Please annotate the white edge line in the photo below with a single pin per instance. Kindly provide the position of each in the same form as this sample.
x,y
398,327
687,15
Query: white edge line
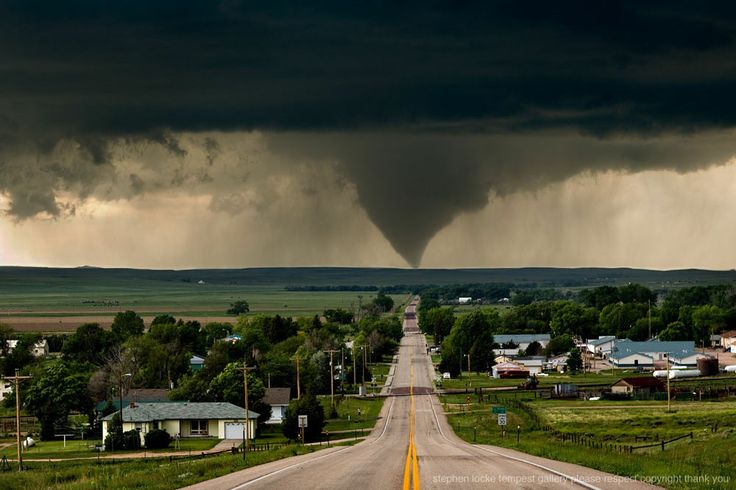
x,y
249,482
254,480
558,473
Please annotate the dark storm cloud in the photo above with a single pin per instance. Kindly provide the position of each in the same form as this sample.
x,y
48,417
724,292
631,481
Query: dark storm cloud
x,y
90,72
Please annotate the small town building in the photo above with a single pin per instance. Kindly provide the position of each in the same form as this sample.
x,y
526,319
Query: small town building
x,y
196,363
6,388
509,370
187,419
278,399
632,354
533,364
511,344
602,346
39,349
728,340
633,386
464,300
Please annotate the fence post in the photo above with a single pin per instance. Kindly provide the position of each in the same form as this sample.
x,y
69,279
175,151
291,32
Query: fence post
x,y
662,445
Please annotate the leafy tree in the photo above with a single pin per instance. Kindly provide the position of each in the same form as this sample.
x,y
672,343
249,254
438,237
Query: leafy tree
x,y
471,333
215,331
707,320
617,319
228,386
127,324
437,322
574,361
163,320
6,333
238,308
600,297
533,349
274,328
383,302
676,331
22,355
53,392
115,439
132,440
311,407
573,319
559,345
343,317
89,343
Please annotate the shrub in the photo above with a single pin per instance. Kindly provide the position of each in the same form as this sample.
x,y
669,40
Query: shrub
x,y
157,439
132,439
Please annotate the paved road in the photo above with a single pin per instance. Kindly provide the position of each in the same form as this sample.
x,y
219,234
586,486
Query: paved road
x,y
412,446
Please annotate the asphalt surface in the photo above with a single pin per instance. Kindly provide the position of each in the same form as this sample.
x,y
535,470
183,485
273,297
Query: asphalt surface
x,y
412,446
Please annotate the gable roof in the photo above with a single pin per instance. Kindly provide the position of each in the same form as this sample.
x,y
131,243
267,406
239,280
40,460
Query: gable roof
x,y
676,348
643,382
601,340
729,334
149,412
521,338
277,396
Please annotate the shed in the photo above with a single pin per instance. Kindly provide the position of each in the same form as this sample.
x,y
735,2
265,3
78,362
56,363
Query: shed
x,y
637,385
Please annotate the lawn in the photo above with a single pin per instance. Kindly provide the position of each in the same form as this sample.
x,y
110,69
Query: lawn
x,y
155,474
353,413
600,428
81,449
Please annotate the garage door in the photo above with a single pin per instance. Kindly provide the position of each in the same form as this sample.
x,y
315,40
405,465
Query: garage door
x,y
234,430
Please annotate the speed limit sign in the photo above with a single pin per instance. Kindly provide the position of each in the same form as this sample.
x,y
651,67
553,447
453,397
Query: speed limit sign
x,y
501,419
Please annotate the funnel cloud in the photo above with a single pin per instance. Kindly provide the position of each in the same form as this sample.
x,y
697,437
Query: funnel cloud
x,y
347,122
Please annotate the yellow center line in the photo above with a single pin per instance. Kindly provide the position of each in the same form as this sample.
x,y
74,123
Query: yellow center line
x,y
411,467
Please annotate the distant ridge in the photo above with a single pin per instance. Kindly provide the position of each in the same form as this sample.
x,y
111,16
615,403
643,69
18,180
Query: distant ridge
x,y
14,276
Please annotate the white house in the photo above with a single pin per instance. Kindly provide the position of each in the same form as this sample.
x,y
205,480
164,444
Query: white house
x,y
6,388
533,364
728,340
188,419
40,348
278,398
602,346
464,300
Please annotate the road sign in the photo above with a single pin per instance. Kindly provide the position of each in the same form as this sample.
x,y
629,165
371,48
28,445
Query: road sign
x,y
498,410
501,419
303,421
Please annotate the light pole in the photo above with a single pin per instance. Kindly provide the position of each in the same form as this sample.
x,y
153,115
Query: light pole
x,y
470,381
122,376
246,431
332,379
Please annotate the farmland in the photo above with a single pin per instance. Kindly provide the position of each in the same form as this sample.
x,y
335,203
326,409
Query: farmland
x,y
599,434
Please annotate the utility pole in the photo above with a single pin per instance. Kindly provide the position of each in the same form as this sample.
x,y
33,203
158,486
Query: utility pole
x,y
332,378
470,379
246,433
17,379
298,378
668,382
355,374
649,314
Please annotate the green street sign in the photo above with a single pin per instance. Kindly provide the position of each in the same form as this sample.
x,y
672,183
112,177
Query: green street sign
x,y
498,410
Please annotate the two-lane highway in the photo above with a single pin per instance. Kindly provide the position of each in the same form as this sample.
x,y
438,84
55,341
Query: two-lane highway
x,y
412,446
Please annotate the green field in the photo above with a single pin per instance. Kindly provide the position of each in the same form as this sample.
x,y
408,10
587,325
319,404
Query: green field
x,y
159,474
596,434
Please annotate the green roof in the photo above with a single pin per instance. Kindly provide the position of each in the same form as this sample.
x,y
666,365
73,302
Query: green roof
x,y
149,412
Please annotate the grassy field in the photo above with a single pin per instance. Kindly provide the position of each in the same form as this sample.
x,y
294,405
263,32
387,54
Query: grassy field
x,y
593,433
54,309
353,413
81,449
482,380
149,474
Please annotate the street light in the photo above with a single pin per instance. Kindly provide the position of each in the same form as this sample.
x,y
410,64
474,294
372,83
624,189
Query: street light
x,y
126,375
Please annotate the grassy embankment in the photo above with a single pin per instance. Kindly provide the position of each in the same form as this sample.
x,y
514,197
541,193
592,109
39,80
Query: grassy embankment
x,y
595,434
158,474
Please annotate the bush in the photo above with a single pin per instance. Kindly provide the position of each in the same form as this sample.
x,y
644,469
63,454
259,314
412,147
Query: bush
x,y
157,439
132,439
311,407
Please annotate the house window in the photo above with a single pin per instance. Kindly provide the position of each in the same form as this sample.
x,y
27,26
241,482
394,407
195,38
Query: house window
x,y
200,428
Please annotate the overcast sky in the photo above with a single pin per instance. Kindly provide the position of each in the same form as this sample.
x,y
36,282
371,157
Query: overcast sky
x,y
175,134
